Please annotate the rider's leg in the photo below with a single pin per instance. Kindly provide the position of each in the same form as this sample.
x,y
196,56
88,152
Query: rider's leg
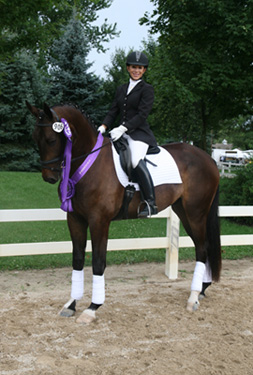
x,y
138,150
141,172
147,189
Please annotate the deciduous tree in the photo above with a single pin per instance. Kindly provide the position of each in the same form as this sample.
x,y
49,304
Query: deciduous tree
x,y
35,24
205,60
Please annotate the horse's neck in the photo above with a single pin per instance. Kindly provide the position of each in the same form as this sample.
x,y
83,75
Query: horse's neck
x,y
84,135
84,138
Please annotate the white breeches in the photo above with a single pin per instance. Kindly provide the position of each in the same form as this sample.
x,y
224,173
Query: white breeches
x,y
138,150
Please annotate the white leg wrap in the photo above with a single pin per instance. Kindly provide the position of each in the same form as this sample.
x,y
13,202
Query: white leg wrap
x,y
98,290
77,287
194,296
207,278
198,276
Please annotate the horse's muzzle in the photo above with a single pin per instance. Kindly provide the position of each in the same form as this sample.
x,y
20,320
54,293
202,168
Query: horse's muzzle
x,y
50,177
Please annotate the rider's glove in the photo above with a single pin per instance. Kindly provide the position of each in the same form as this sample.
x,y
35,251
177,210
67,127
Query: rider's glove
x,y
116,133
102,129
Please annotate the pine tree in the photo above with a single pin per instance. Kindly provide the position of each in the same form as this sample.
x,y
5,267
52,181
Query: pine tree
x,y
20,81
70,80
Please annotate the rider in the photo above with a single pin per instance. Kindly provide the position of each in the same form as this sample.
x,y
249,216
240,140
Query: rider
x,y
133,101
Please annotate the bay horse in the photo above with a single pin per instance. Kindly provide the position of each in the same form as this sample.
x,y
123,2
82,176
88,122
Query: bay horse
x,y
98,197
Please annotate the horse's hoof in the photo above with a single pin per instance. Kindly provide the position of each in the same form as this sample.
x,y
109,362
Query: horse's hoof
x,y
67,313
192,306
87,317
68,309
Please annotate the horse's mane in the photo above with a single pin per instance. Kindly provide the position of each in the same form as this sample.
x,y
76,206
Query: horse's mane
x,y
84,114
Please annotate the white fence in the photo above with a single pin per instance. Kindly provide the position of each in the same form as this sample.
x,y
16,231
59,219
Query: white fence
x,y
172,242
227,169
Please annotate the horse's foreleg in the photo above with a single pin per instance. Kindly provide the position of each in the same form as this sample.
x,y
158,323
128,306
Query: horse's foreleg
x,y
78,231
77,290
99,237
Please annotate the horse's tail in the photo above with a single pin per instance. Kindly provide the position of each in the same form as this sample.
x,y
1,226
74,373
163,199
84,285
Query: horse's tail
x,y
213,238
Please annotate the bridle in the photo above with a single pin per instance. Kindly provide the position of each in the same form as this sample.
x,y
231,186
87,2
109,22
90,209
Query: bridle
x,y
45,164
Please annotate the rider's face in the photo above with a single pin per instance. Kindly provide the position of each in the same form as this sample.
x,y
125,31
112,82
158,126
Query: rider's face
x,y
136,71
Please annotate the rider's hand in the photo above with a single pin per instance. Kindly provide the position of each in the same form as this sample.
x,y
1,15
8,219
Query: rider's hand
x,y
102,129
116,133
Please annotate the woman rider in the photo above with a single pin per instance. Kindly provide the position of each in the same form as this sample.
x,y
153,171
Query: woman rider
x,y
133,102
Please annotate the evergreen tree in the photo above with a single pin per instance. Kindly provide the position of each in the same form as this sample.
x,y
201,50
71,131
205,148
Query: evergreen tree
x,y
116,74
20,81
70,80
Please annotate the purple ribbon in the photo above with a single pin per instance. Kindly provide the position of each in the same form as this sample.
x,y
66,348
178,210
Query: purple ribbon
x,y
67,187
66,163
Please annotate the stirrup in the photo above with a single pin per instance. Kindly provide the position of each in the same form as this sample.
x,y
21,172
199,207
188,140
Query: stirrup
x,y
147,211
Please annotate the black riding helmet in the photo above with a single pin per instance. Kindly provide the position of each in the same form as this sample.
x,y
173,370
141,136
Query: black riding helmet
x,y
137,58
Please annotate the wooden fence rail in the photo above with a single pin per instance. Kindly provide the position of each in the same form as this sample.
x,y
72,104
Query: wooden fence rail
x,y
228,169
172,242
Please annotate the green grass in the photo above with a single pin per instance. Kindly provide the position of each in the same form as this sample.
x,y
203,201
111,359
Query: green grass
x,y
19,190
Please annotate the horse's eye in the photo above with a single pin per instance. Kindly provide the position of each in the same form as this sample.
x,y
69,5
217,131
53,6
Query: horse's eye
x,y
51,142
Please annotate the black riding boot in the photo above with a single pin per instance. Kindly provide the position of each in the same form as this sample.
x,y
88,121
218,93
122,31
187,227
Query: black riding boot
x,y
147,189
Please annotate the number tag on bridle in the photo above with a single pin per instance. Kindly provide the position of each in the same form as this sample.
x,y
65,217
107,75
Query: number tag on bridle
x,y
58,127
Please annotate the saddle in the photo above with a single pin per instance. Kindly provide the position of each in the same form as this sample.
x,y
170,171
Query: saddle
x,y
122,148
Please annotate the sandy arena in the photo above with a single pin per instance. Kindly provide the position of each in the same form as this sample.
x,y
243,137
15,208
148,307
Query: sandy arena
x,y
143,328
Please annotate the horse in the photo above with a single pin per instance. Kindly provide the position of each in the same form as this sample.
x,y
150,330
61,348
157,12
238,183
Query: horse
x,y
98,195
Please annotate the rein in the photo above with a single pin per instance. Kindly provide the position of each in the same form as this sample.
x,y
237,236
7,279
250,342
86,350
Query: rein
x,y
67,185
89,153
60,158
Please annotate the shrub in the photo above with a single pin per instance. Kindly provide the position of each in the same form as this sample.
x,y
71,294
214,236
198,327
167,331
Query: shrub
x,y
238,191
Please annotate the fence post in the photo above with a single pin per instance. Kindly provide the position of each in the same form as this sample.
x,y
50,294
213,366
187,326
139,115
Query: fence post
x,y
222,170
171,261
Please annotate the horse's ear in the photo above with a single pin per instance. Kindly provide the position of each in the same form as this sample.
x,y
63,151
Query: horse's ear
x,y
34,111
47,111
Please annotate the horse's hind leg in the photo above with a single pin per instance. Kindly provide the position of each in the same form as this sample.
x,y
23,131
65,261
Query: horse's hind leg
x,y
202,276
196,229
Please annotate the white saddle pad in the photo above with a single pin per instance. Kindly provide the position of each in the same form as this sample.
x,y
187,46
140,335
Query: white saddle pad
x,y
166,171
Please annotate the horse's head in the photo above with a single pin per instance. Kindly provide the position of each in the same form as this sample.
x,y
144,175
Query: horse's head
x,y
50,142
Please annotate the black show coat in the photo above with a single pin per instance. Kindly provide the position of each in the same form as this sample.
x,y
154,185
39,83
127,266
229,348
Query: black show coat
x,y
133,109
